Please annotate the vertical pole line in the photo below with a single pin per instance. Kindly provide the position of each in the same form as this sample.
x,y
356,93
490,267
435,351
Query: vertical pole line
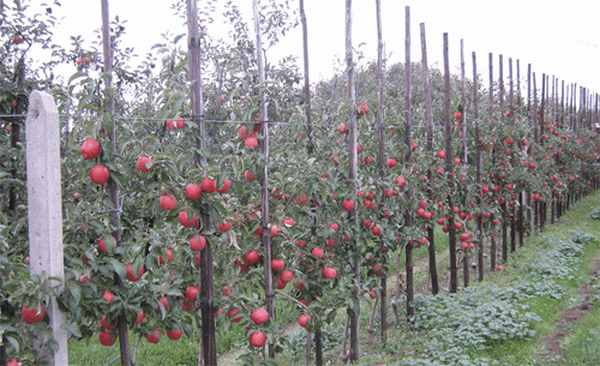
x,y
351,100
266,232
502,119
449,169
536,206
115,215
512,214
478,141
429,146
530,120
307,99
208,341
491,88
408,140
382,171
463,103
491,116
519,99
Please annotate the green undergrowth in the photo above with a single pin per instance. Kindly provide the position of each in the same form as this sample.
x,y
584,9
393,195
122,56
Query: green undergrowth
x,y
487,324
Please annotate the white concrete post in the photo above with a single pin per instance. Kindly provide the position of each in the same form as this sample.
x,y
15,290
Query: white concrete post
x,y
44,204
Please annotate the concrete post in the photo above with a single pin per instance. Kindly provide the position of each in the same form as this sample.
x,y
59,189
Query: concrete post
x,y
44,203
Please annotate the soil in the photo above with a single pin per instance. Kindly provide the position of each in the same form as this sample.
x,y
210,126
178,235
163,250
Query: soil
x,y
569,318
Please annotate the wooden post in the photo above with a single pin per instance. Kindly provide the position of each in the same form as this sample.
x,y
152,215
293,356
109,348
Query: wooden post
x,y
408,140
382,170
266,232
463,103
478,200
44,203
429,146
449,168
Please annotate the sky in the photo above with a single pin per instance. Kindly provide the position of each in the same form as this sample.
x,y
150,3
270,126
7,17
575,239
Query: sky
x,y
556,37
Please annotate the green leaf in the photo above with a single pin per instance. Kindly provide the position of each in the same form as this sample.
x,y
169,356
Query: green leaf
x,y
73,329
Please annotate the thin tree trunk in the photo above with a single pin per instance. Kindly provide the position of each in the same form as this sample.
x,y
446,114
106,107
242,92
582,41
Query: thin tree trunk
x,y
115,215
479,217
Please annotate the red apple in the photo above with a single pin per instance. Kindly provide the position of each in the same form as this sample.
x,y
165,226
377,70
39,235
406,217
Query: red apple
x,y
329,272
303,320
102,244
226,186
106,338
348,205
144,164
139,318
208,185
191,293
363,109
108,296
90,149
259,316
174,334
277,265
130,275
193,191
249,176
32,316
185,221
99,174
317,252
391,163
198,242
251,257
154,337
104,322
161,260
167,202
441,154
258,338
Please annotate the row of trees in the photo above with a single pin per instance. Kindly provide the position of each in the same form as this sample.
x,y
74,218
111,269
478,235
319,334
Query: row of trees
x,y
389,153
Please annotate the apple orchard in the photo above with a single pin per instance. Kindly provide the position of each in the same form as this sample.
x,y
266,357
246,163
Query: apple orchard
x,y
245,198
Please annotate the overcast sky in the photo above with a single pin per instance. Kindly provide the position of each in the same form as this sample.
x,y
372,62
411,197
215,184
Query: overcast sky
x,y
557,37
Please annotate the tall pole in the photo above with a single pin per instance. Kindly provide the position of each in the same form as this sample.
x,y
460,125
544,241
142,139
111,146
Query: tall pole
x,y
351,97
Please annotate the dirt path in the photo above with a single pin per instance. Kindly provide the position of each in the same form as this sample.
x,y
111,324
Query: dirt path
x,y
568,319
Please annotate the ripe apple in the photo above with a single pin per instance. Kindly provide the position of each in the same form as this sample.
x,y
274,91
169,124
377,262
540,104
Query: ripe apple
x,y
258,338
106,338
17,39
376,230
102,244
251,257
317,252
224,227
259,316
329,272
441,154
198,242
90,148
303,200
249,176
180,122
251,142
191,293
208,185
287,276
231,314
226,186
99,174
170,124
277,265
167,202
457,115
32,316
363,109
193,191
104,322
139,318
174,334
185,221
130,275
154,337
348,205
303,320
391,163
163,300
108,296
161,260
145,164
